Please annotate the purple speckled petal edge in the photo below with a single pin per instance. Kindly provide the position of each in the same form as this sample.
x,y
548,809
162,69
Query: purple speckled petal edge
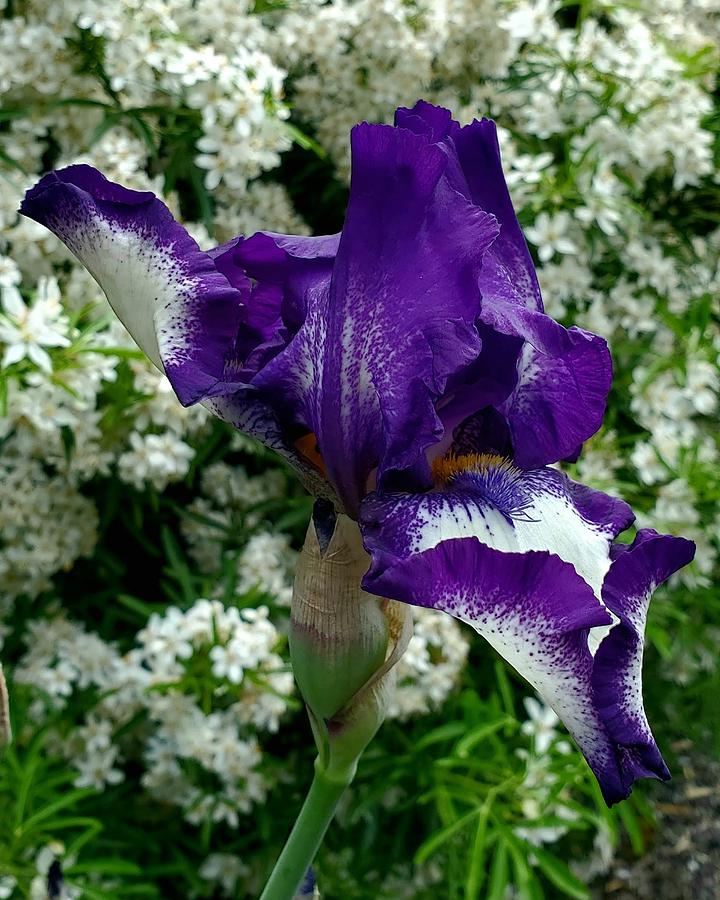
x,y
180,310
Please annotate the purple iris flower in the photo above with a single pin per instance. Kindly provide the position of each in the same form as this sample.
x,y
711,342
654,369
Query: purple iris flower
x,y
406,369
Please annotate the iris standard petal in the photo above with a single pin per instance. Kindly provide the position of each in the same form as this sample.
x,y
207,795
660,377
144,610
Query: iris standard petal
x,y
180,310
508,272
549,383
563,380
534,610
635,573
375,352
402,304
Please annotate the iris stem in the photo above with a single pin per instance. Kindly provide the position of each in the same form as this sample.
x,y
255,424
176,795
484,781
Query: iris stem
x,y
307,834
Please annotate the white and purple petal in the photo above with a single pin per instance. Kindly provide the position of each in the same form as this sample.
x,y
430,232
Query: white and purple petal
x,y
535,611
181,311
506,508
527,558
635,573
195,314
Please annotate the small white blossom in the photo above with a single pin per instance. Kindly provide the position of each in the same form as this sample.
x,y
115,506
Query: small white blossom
x,y
27,330
549,234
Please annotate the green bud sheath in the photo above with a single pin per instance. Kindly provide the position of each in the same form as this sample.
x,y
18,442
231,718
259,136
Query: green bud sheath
x,y
343,641
344,644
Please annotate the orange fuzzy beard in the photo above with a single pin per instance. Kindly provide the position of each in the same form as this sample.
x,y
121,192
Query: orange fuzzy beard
x,y
448,467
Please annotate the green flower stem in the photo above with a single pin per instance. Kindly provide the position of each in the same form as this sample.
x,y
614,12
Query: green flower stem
x,y
309,829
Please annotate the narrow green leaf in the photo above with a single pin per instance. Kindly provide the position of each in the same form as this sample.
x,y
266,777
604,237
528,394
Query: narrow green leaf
x,y
305,141
478,735
144,610
438,735
499,873
476,868
435,841
63,802
178,568
632,827
559,874
112,866
505,688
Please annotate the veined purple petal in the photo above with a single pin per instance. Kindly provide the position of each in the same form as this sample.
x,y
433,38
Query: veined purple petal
x,y
287,273
425,118
284,267
179,309
375,351
635,573
563,379
550,384
509,272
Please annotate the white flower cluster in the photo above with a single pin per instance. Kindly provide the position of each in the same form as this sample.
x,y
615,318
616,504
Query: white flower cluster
x,y
209,60
45,526
431,665
210,681
207,66
224,870
61,428
227,506
359,59
267,563
538,790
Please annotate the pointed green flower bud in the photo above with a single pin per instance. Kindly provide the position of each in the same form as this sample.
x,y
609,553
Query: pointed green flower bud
x,y
344,642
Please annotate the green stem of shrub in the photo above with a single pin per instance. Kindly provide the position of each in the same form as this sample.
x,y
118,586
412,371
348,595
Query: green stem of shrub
x,y
307,834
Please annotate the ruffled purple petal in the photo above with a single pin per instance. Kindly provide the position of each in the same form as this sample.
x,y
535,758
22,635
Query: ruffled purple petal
x,y
425,118
563,379
376,351
285,268
550,384
635,573
197,315
286,272
508,272
180,310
